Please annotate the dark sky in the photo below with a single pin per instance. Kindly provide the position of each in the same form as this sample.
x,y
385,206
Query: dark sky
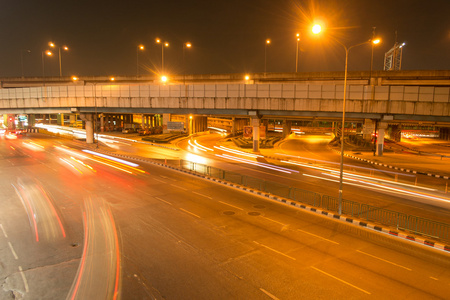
x,y
227,36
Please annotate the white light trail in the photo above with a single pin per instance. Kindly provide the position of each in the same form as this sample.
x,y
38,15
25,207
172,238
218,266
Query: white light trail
x,y
259,164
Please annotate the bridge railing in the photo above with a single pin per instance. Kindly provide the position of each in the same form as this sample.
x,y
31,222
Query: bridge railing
x,y
362,211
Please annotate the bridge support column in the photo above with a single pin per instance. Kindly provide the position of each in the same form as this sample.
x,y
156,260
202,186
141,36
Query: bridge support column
x,y
368,129
166,118
380,138
444,134
102,122
255,125
31,120
396,132
89,123
60,119
287,124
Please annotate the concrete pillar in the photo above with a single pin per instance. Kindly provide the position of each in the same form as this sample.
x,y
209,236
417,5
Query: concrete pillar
x,y
102,123
31,120
72,119
286,128
368,129
255,125
396,132
60,119
166,118
380,138
89,125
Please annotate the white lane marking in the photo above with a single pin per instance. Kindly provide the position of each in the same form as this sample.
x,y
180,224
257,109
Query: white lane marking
x,y
190,213
179,187
4,232
274,221
162,181
12,250
24,279
163,200
318,236
231,205
276,251
202,195
341,280
387,261
269,294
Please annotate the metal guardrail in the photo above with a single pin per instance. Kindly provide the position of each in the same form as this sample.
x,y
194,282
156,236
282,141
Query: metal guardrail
x,y
362,211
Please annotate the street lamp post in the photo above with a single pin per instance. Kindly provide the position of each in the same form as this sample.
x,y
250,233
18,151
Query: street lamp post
x,y
21,59
65,48
267,43
139,48
48,53
316,30
185,45
165,44
296,53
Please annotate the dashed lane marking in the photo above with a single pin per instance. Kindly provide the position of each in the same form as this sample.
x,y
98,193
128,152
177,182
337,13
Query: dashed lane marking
x,y
197,216
268,294
276,251
202,195
25,283
12,250
343,281
274,221
387,261
318,236
163,200
4,232
179,187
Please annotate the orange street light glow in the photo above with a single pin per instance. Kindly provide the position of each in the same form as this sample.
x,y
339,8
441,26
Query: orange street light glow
x,y
316,29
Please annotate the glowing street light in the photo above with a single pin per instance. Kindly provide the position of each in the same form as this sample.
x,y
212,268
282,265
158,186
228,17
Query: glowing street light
x,y
267,43
165,44
65,48
316,29
139,48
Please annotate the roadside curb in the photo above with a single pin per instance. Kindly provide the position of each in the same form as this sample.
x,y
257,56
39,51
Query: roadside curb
x,y
377,228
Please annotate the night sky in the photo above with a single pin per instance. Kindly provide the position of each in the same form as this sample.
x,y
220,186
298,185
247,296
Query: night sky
x,y
227,36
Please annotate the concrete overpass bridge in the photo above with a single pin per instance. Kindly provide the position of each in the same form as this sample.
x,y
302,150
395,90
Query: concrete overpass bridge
x,y
376,100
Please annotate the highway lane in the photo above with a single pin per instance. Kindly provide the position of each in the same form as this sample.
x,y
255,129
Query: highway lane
x,y
181,237
379,192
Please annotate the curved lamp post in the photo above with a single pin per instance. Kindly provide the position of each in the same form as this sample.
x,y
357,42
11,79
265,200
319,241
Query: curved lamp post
x,y
267,43
316,30
139,48
165,44
65,48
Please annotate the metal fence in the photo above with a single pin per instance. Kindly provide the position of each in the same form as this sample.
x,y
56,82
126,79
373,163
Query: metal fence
x,y
362,211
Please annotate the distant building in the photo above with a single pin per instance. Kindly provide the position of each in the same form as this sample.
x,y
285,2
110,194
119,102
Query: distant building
x,y
393,58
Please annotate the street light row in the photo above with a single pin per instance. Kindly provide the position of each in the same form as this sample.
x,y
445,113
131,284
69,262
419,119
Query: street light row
x,y
163,45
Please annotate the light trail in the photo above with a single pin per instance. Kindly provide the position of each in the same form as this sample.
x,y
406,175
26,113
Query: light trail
x,y
222,148
111,158
259,164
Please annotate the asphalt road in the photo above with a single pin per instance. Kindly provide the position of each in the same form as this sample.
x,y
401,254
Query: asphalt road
x,y
78,226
